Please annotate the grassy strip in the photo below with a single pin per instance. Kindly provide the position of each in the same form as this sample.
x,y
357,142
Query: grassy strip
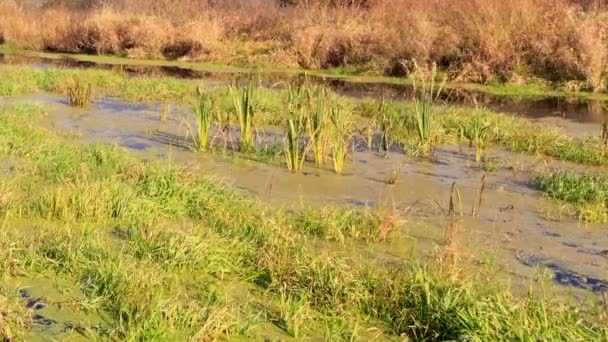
x,y
588,193
538,89
155,247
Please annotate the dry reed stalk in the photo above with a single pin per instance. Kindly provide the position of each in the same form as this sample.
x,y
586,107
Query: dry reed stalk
x,y
451,230
478,197
482,39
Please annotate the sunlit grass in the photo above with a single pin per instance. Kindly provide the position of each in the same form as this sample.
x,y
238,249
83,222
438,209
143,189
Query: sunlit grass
x,y
244,106
587,192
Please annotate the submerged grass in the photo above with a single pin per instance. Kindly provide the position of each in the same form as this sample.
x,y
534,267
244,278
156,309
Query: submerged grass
x,y
166,254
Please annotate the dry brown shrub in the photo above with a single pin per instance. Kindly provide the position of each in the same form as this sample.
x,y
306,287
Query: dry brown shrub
x,y
473,40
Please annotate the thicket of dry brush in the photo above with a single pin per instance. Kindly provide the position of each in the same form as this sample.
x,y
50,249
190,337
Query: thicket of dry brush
x,y
472,40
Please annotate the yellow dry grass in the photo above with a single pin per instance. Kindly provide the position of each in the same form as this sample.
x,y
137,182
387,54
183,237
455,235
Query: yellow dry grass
x,y
472,40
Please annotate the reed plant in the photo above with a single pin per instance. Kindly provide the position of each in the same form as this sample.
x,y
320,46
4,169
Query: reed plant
x,y
165,110
295,154
477,132
478,197
386,123
426,93
318,121
451,230
393,176
79,93
339,139
244,102
204,114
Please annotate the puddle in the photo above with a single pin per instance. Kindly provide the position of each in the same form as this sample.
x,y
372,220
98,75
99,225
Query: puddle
x,y
554,109
54,310
511,223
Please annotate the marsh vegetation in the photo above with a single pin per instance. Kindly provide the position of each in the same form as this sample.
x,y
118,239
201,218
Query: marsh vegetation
x,y
121,247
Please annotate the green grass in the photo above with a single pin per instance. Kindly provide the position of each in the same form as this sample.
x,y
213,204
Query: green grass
x,y
163,253
588,193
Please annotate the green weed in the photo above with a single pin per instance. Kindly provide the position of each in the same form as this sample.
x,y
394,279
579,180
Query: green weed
x,y
477,132
80,93
204,113
295,155
426,95
244,106
589,193
318,121
339,139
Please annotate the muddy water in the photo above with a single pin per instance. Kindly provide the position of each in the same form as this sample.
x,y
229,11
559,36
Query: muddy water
x,y
55,314
511,233
552,108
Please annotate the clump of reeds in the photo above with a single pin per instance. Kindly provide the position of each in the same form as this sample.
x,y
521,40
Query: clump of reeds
x,y
339,139
204,112
393,176
386,122
451,230
80,93
477,132
604,133
295,154
478,197
317,121
243,100
426,93
165,109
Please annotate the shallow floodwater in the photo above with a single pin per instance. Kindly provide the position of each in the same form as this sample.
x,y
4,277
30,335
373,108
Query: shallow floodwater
x,y
553,108
511,233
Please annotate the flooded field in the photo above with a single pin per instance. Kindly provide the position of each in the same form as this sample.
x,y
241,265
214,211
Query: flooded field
x,y
507,231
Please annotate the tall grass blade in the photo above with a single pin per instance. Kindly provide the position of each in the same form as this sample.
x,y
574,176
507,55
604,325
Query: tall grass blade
x,y
204,112
244,100
340,139
295,154
478,197
425,96
317,122
80,93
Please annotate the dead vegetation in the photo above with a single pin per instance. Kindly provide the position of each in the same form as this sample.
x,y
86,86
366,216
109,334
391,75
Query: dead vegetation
x,y
471,40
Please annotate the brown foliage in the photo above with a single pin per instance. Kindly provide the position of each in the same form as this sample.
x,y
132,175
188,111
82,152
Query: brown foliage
x,y
473,40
